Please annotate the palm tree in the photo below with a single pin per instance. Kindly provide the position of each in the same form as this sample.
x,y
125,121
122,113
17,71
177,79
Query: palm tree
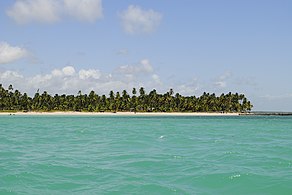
x,y
152,102
125,104
134,91
134,100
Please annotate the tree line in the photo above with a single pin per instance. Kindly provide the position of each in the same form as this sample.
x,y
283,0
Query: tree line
x,y
138,101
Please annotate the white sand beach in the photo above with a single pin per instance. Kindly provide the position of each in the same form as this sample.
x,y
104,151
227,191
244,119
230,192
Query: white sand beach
x,y
123,113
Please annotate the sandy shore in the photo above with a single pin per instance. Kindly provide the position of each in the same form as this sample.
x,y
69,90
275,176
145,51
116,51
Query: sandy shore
x,y
122,113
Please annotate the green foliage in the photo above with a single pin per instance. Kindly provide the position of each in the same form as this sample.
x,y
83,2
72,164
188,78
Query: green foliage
x,y
13,100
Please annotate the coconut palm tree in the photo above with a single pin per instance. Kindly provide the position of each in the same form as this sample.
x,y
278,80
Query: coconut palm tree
x,y
152,102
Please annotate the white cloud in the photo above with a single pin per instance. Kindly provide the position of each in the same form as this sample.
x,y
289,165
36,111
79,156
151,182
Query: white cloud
x,y
68,70
91,73
144,67
221,82
225,76
156,79
41,80
25,11
136,20
10,53
49,11
57,73
84,10
69,80
189,88
10,74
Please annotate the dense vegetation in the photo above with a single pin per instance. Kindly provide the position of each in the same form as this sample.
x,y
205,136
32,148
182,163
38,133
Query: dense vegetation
x,y
14,100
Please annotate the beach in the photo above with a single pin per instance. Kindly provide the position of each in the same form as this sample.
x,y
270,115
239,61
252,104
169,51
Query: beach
x,y
71,113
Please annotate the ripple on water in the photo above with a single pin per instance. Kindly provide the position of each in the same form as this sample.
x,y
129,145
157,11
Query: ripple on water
x,y
145,155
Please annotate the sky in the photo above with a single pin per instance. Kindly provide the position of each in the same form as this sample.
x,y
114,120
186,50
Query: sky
x,y
191,46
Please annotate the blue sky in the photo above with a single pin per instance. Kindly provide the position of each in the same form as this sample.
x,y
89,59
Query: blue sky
x,y
63,46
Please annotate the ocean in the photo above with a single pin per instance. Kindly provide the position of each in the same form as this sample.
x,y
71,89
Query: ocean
x,y
145,154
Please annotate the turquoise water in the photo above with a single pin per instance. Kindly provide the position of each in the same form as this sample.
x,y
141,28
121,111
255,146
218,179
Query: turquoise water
x,y
145,155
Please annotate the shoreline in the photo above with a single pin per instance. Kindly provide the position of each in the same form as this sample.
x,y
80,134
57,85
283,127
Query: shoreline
x,y
72,113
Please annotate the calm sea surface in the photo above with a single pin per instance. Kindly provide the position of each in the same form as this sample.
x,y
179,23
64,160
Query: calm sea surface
x,y
145,155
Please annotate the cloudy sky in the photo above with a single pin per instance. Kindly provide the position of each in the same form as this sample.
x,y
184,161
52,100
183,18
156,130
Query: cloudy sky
x,y
63,46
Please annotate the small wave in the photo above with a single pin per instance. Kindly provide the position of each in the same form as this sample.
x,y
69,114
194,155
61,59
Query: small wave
x,y
235,176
